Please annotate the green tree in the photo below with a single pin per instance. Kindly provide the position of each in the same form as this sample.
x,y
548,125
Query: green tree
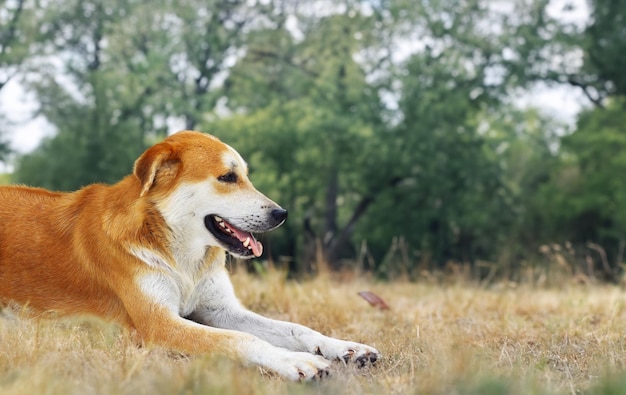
x,y
370,121
604,46
16,36
130,68
453,200
210,35
18,19
525,143
308,102
353,161
583,200
100,121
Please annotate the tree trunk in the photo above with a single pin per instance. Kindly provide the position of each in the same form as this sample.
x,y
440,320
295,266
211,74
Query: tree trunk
x,y
340,242
330,220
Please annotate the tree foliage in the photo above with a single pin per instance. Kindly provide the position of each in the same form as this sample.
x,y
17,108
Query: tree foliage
x,y
128,69
605,48
18,19
583,197
386,128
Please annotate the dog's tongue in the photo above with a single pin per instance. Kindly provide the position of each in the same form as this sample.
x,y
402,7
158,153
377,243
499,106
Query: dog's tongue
x,y
256,246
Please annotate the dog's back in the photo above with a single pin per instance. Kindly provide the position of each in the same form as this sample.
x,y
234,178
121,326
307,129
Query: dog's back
x,y
39,245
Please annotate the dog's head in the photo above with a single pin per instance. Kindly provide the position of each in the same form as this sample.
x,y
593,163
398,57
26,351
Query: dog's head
x,y
200,185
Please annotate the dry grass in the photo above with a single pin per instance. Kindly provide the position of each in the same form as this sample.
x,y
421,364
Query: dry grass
x,y
442,339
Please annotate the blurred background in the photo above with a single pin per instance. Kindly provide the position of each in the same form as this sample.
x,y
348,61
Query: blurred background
x,y
405,137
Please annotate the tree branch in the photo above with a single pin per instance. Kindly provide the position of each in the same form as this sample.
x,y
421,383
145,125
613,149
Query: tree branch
x,y
273,55
10,36
361,208
585,88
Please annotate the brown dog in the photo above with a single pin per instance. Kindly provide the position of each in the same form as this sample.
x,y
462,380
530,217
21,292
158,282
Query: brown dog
x,y
149,253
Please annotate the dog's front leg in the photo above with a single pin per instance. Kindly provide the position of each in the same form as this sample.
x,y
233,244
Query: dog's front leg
x,y
219,307
153,304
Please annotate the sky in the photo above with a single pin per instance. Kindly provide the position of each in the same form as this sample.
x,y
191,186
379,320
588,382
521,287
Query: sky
x,y
25,131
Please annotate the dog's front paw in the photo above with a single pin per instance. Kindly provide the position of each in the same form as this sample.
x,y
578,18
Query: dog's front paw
x,y
346,351
297,366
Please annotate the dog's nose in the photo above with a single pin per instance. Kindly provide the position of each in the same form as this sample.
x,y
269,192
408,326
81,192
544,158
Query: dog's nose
x,y
279,215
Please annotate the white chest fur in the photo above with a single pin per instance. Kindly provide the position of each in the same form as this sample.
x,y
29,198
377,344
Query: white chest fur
x,y
176,286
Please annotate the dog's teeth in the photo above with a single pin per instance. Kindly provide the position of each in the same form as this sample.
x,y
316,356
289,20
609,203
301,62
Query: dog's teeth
x,y
247,242
218,219
222,224
249,247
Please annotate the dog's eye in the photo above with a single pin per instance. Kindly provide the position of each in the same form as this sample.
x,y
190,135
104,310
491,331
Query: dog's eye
x,y
228,177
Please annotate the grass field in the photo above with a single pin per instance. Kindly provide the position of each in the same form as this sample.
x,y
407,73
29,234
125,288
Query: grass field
x,y
441,338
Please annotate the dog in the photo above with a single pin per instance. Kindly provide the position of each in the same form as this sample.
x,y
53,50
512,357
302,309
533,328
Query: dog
x,y
149,253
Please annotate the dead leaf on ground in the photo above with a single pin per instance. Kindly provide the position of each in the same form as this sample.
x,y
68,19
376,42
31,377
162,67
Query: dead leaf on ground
x,y
374,300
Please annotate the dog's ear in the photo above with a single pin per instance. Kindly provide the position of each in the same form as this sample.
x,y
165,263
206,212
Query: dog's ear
x,y
159,159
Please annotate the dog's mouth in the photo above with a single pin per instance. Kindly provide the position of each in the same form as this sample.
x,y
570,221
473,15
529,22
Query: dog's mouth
x,y
235,240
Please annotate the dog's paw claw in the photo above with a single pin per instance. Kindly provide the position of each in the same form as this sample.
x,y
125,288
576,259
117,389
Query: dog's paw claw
x,y
347,356
361,356
346,352
373,358
322,373
362,360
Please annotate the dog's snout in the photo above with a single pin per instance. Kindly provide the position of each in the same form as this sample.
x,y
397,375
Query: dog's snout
x,y
279,215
